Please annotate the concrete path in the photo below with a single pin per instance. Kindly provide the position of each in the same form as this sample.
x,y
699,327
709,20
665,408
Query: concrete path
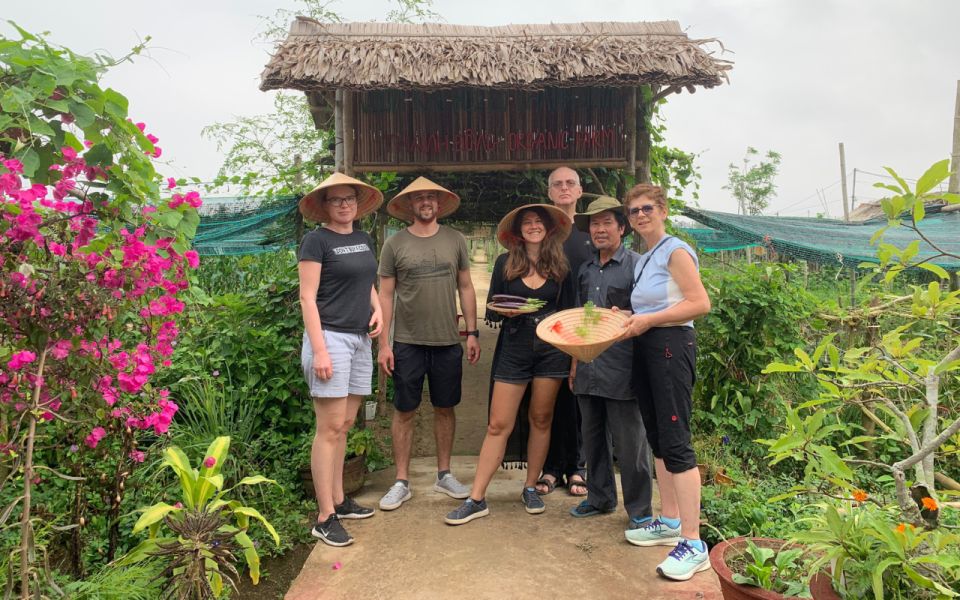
x,y
411,554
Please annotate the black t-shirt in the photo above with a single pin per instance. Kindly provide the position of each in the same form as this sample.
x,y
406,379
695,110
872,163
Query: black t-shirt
x,y
578,248
348,270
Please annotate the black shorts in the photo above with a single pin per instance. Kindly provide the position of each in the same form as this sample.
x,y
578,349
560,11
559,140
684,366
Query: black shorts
x,y
441,365
523,356
664,362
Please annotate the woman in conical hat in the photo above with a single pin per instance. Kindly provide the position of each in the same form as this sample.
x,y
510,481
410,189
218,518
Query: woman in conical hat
x,y
336,267
534,267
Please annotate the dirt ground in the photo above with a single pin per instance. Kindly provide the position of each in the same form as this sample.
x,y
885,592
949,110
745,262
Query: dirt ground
x,y
410,553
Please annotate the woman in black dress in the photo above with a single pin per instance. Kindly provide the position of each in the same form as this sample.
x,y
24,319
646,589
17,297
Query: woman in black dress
x,y
533,267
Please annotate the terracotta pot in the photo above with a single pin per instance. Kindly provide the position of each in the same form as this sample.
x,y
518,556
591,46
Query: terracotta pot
x,y
821,587
735,591
704,474
354,472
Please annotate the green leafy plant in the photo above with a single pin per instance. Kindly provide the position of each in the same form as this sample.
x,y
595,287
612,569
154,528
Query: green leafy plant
x,y
753,184
778,571
896,383
207,524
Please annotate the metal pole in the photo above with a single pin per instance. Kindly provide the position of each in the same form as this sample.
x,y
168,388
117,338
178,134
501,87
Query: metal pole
x,y
954,186
843,184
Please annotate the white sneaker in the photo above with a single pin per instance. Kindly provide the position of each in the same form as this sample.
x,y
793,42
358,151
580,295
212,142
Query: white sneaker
x,y
451,487
395,496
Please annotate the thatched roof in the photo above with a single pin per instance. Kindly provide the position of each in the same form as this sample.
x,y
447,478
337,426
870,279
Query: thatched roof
x,y
364,56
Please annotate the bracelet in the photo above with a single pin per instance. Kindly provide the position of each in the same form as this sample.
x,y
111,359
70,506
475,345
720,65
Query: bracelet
x,y
475,333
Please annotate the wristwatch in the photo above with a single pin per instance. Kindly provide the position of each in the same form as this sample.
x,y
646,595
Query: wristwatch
x,y
475,333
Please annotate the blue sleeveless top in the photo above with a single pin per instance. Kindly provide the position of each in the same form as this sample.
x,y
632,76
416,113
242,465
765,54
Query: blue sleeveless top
x,y
656,290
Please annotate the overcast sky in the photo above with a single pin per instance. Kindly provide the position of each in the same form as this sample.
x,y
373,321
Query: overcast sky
x,y
879,75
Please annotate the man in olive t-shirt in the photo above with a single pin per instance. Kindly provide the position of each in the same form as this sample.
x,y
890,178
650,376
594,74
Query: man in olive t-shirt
x,y
422,268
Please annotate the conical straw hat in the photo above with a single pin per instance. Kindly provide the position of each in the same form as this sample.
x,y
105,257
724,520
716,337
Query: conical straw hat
x,y
561,223
313,207
560,330
400,208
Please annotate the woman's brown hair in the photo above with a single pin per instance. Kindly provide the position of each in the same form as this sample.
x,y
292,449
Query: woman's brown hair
x,y
552,263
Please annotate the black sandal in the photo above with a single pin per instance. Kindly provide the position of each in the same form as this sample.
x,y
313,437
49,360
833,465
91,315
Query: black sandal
x,y
550,485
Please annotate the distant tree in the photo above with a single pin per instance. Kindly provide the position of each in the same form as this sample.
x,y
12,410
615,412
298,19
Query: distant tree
x,y
753,184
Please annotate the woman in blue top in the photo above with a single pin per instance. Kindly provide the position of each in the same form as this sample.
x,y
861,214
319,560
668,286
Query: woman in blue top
x,y
341,313
667,296
533,267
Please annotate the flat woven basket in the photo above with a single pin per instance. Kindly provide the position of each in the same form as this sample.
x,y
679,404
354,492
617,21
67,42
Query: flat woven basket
x,y
560,330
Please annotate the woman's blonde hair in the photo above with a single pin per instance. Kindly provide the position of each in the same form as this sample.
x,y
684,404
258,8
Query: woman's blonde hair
x,y
646,190
551,264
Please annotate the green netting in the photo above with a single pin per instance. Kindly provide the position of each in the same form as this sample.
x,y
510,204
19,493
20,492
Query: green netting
x,y
234,226
712,240
830,241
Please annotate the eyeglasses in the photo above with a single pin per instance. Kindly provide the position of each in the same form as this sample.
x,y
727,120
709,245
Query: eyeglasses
x,y
570,183
342,201
647,209
430,196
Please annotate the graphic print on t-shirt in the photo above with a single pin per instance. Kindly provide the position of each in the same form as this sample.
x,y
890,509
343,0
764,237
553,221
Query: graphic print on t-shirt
x,y
352,249
426,266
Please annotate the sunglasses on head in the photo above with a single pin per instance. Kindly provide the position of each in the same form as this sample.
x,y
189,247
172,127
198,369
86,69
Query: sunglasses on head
x,y
646,209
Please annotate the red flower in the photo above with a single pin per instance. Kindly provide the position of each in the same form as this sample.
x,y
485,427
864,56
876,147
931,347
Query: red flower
x,y
556,327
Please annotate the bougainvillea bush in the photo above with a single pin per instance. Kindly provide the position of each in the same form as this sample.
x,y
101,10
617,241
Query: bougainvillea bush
x,y
93,270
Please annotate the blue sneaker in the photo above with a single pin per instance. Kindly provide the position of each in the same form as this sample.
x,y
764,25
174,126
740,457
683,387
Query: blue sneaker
x,y
683,562
467,512
653,533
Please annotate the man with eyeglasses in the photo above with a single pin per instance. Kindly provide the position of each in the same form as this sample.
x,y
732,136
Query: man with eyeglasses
x,y
422,269
565,459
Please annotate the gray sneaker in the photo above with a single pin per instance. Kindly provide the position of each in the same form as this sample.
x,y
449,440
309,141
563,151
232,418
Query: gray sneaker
x,y
467,512
451,487
531,501
395,496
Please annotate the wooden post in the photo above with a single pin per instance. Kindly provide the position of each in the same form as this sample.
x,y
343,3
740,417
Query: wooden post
x,y
644,110
632,131
346,99
954,186
338,131
298,187
843,184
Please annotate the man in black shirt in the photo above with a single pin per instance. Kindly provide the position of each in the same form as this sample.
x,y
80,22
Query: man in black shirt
x,y
565,459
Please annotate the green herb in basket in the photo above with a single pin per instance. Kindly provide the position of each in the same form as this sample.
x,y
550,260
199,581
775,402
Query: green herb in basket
x,y
591,316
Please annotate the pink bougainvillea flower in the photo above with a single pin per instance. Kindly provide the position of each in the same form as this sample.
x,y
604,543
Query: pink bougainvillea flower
x,y
95,436
157,151
209,462
137,456
68,153
141,126
171,183
193,259
20,359
153,139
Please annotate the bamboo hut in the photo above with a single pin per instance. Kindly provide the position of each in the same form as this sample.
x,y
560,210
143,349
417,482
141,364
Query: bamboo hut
x,y
439,97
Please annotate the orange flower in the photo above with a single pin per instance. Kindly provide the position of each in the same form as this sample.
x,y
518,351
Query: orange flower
x,y
930,503
902,527
860,496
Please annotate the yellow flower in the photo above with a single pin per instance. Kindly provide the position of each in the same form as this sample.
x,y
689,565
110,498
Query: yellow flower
x,y
929,503
860,496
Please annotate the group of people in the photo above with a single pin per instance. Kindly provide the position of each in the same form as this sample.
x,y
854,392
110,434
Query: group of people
x,y
632,399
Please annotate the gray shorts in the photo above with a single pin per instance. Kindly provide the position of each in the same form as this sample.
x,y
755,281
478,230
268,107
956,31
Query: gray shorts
x,y
352,357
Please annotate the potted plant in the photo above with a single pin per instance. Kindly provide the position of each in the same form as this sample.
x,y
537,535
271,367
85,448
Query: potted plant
x,y
759,569
363,455
886,540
